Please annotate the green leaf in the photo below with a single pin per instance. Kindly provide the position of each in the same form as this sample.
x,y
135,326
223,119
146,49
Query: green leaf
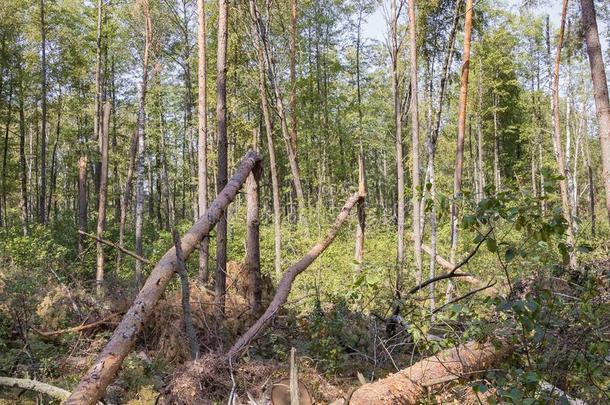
x,y
491,244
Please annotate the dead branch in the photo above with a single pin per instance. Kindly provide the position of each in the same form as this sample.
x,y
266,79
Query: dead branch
x,y
285,284
116,246
463,297
79,328
103,371
408,386
33,385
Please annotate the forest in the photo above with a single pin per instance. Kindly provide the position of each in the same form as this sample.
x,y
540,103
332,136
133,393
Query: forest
x,y
304,201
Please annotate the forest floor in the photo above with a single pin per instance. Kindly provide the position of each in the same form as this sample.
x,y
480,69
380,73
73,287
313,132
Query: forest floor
x,y
557,323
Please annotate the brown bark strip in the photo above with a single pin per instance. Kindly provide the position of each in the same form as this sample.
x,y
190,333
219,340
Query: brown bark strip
x,y
93,385
408,386
293,271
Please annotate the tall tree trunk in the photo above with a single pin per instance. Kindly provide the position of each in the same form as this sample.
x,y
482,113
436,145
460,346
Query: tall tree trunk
x,y
202,151
293,76
431,148
591,184
98,92
54,160
275,188
221,181
480,152
600,89
361,208
558,149
101,215
42,196
459,153
82,200
22,162
141,161
9,115
400,176
415,183
497,174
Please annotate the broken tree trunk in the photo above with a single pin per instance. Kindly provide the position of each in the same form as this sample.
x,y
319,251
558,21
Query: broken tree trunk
x,y
93,385
253,254
285,284
408,386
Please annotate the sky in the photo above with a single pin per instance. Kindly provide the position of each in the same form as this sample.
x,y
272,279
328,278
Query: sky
x,y
376,27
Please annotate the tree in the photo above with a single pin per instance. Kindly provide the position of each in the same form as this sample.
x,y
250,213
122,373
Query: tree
x,y
141,128
202,151
400,177
221,116
42,217
101,216
268,123
459,152
415,183
557,147
600,89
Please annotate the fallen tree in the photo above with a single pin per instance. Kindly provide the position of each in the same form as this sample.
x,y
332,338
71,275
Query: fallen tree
x,y
285,284
408,386
33,385
92,386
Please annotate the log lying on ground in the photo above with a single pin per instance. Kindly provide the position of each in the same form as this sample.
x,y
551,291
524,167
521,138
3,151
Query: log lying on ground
x,y
33,385
93,385
408,386
285,284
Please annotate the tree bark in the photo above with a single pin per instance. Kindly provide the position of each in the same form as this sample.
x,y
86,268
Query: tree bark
x,y
290,275
42,196
293,76
22,162
400,177
600,89
189,328
103,194
415,169
82,200
202,151
92,386
408,386
221,114
141,128
9,116
253,254
361,207
558,149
